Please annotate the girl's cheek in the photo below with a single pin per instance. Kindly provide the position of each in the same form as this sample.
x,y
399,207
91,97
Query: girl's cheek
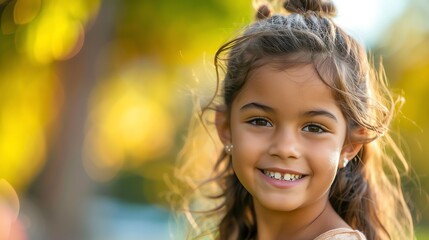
x,y
324,152
251,138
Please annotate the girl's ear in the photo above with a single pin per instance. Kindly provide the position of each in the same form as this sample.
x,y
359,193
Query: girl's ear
x,y
349,151
222,125
352,147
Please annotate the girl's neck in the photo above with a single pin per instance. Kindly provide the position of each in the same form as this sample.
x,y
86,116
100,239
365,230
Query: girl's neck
x,y
304,223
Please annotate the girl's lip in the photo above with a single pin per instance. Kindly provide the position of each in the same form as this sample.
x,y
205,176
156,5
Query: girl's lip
x,y
282,184
282,170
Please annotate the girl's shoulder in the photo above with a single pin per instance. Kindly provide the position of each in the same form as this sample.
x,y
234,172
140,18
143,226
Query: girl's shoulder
x,y
341,234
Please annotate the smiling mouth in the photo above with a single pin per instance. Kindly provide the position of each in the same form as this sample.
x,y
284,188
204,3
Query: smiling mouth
x,y
282,176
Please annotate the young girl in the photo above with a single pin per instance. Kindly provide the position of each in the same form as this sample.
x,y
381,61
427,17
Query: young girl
x,y
305,124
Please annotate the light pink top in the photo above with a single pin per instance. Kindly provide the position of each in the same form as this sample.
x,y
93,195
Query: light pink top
x,y
341,234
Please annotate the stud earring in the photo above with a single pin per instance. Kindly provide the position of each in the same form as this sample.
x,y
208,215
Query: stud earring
x,y
228,148
345,162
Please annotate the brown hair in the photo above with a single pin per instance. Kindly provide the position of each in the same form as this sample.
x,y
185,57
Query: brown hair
x,y
367,193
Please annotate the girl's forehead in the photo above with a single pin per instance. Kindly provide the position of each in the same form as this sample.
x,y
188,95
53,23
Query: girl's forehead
x,y
301,74
296,87
300,65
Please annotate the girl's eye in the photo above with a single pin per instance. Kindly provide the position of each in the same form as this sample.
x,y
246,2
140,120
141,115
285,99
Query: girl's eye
x,y
314,128
260,122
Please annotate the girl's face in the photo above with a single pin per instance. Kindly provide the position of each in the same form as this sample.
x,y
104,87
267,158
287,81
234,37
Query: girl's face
x,y
288,135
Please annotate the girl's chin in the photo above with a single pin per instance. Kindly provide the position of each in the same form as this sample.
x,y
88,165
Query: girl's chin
x,y
277,204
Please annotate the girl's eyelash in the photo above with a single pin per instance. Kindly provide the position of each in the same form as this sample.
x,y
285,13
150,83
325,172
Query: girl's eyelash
x,y
315,128
260,121
310,127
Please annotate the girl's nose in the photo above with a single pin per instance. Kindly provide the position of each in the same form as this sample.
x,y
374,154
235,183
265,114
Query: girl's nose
x,y
285,145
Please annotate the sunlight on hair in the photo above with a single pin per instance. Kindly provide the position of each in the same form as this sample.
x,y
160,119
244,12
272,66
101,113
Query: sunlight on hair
x,y
189,186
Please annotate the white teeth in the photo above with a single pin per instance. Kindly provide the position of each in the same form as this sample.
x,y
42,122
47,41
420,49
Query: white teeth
x,y
285,177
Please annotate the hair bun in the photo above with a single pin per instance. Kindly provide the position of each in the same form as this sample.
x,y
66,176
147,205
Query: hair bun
x,y
317,6
263,12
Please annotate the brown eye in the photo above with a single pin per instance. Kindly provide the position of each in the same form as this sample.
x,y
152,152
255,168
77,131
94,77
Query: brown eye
x,y
260,122
314,128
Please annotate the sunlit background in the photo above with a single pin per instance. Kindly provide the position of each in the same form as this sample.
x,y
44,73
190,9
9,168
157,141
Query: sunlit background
x,y
96,96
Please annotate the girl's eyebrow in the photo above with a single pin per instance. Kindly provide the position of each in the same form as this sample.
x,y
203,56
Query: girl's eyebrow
x,y
312,113
321,113
257,106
